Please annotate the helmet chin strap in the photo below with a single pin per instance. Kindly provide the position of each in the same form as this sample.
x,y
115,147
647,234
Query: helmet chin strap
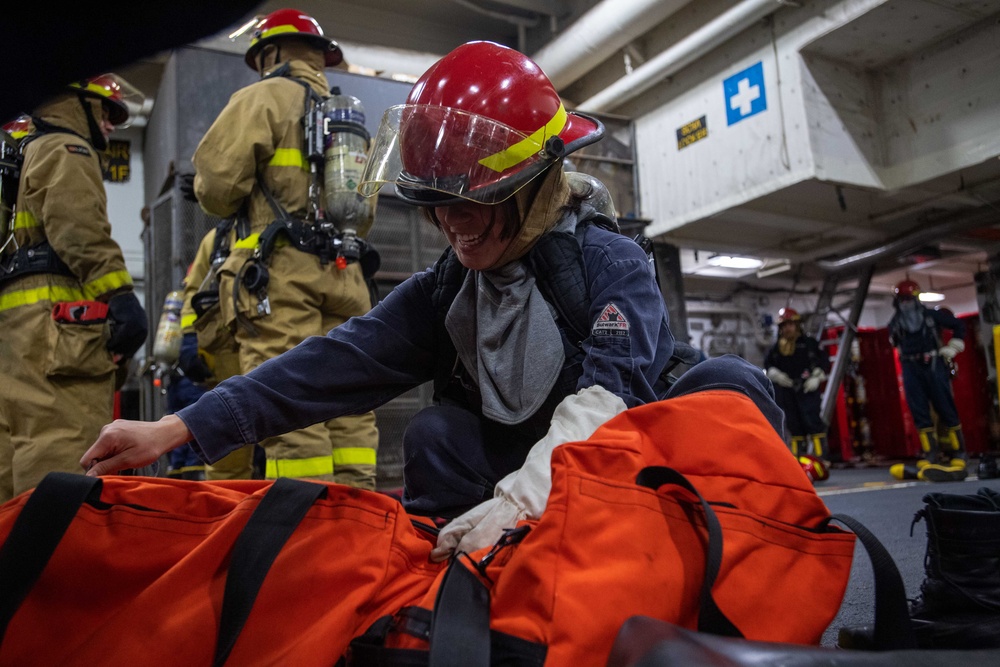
x,y
264,53
96,136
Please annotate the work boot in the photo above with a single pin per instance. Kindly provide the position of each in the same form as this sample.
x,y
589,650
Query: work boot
x,y
953,446
988,467
959,601
903,471
953,471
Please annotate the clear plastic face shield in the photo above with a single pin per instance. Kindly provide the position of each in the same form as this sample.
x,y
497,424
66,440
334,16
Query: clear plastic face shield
x,y
431,149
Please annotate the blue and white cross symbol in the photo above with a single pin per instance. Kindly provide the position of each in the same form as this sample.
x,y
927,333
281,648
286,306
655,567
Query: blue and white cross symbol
x,y
745,94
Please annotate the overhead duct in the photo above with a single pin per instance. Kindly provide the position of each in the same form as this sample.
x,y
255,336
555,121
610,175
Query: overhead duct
x,y
681,54
592,38
984,216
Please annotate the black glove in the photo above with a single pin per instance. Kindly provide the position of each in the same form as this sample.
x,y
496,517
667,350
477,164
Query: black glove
x,y
185,183
128,324
191,363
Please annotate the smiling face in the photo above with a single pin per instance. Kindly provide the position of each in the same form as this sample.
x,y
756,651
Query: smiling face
x,y
474,231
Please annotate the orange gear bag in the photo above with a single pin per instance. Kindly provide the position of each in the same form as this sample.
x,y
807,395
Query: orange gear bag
x,y
690,510
152,571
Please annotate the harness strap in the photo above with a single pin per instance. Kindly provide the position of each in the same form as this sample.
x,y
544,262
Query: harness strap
x,y
27,260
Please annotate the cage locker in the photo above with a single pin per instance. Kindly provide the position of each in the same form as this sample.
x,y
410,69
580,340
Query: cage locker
x,y
176,227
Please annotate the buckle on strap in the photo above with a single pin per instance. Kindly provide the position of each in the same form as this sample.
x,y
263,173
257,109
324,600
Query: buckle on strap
x,y
26,260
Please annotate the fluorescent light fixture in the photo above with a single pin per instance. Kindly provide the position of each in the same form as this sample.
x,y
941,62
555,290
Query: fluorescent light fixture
x,y
734,262
931,297
774,267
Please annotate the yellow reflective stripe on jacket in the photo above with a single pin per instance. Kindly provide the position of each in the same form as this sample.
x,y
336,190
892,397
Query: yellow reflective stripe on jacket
x,y
249,243
528,146
313,467
288,157
353,456
52,293
188,320
24,220
106,283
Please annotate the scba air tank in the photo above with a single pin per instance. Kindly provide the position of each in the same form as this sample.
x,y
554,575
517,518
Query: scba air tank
x,y
345,153
167,344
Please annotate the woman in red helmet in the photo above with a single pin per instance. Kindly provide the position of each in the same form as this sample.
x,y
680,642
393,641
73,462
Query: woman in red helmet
x,y
537,324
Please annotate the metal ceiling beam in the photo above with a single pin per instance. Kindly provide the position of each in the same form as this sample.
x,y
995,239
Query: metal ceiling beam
x,y
984,216
556,8
680,55
595,36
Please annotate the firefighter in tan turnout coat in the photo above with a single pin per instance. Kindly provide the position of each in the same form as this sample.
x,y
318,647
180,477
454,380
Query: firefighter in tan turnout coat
x,y
252,152
67,309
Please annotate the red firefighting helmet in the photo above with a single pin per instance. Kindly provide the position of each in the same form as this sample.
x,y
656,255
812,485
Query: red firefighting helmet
x,y
814,468
291,23
906,288
478,125
788,315
116,93
19,127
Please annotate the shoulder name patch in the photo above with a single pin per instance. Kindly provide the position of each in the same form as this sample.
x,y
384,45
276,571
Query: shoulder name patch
x,y
79,150
610,323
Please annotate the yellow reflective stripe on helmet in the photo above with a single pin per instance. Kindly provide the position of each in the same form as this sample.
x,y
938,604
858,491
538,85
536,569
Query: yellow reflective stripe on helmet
x,y
188,320
313,467
96,89
276,30
353,456
24,220
106,283
288,157
52,293
528,146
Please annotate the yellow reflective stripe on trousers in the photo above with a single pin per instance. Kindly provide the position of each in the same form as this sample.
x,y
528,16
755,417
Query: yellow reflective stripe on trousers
x,y
314,467
106,283
530,145
26,297
288,157
353,456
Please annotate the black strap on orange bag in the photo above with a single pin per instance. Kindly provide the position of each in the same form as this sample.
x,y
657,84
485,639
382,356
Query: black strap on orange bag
x,y
35,535
54,503
280,511
710,617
